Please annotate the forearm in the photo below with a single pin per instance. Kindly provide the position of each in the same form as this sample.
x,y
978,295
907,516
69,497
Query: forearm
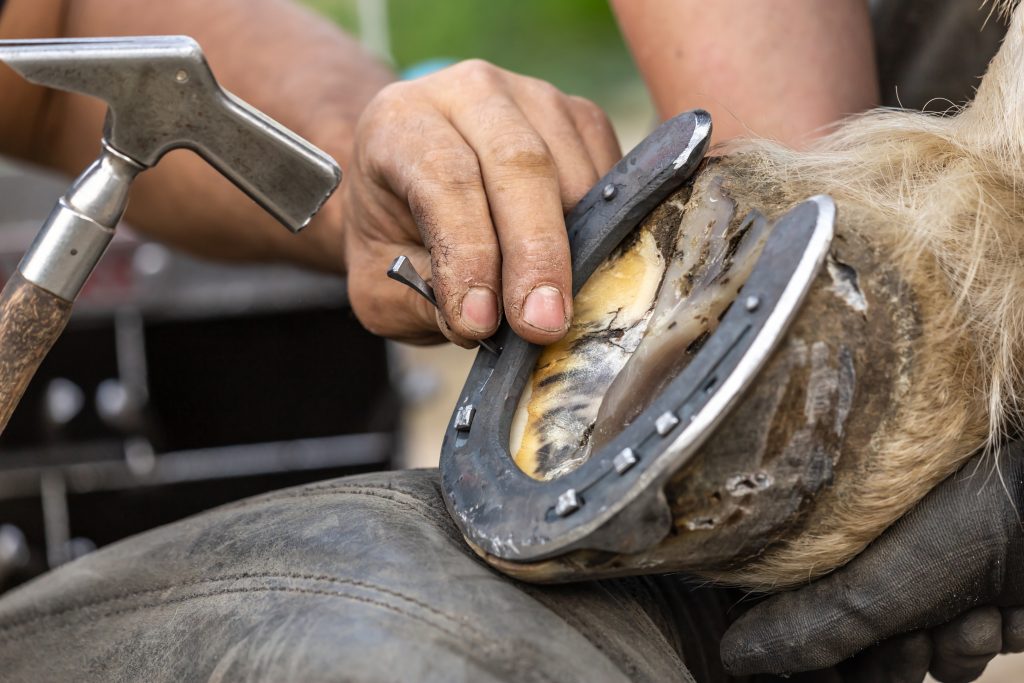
x,y
279,57
785,69
22,102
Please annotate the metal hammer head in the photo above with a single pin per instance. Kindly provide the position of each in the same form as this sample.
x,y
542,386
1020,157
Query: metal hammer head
x,y
162,95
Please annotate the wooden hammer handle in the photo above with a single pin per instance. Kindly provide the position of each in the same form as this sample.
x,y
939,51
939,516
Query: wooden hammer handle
x,y
31,319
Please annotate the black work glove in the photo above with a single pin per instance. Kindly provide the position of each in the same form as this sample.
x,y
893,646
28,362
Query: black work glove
x,y
937,592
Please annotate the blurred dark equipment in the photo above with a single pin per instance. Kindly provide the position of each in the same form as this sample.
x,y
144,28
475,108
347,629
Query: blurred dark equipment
x,y
179,385
931,55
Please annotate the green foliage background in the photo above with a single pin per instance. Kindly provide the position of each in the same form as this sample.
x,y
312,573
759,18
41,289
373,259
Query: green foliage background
x,y
574,44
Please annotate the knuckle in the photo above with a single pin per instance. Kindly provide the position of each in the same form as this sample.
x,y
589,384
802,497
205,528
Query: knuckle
x,y
538,257
522,151
386,101
590,114
386,118
540,247
1013,624
459,264
439,174
450,165
392,92
478,71
467,254
978,633
545,91
587,107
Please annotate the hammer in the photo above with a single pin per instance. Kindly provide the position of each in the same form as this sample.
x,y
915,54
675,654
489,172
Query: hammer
x,y
161,95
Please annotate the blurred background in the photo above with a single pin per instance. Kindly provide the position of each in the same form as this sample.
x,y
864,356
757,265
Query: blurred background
x,y
574,44
161,399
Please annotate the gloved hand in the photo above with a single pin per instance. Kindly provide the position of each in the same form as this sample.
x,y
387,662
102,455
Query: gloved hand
x,y
940,591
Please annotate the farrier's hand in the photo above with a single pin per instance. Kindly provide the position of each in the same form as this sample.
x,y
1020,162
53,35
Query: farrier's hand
x,y
469,172
940,591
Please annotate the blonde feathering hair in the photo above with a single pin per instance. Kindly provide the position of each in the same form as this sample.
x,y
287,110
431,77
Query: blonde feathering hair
x,y
944,194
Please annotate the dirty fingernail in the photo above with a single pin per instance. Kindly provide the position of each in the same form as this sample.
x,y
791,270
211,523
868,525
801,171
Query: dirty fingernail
x,y
544,309
480,309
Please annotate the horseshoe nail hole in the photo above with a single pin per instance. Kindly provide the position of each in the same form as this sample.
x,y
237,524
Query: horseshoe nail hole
x,y
181,76
74,252
744,484
701,524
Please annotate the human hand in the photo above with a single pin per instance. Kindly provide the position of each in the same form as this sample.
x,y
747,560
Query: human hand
x,y
940,591
469,173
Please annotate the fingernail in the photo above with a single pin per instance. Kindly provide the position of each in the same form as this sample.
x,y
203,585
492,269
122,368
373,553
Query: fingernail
x,y
545,309
480,309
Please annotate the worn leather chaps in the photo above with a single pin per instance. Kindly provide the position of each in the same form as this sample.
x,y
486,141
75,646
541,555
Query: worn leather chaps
x,y
356,579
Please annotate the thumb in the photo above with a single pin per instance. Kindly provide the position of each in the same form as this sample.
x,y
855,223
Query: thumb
x,y
938,561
